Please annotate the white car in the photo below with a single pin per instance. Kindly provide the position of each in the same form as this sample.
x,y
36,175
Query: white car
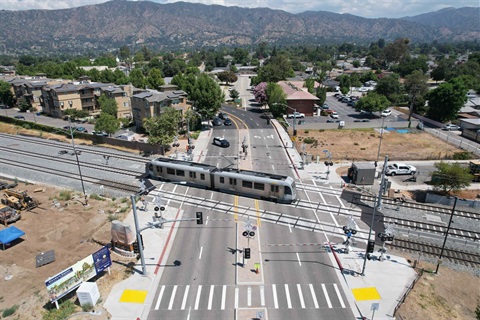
x,y
400,168
334,115
296,115
386,113
450,127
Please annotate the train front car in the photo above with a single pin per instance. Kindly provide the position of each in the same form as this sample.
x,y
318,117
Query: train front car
x,y
289,196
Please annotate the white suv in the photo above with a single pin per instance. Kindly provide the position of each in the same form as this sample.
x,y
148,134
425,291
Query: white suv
x,y
334,115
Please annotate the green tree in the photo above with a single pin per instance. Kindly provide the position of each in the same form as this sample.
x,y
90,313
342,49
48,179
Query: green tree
x,y
275,94
321,94
356,63
409,65
373,102
163,128
442,70
207,96
227,77
390,87
154,79
136,78
108,105
174,67
6,95
23,104
108,123
124,53
240,55
450,177
446,100
75,114
275,69
234,94
416,86
397,50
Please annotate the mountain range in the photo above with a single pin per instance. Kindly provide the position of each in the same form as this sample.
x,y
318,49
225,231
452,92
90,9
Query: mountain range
x,y
183,25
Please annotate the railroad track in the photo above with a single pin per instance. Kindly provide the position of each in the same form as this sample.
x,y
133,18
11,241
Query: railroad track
x,y
456,256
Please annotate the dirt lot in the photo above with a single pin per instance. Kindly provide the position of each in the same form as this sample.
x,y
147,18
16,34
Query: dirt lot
x,y
362,145
70,231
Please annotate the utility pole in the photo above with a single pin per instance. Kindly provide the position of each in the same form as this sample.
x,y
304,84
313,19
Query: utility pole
x,y
382,183
446,235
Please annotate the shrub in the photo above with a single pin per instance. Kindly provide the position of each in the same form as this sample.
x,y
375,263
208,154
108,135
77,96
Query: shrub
x,y
355,143
309,140
65,195
9,311
463,155
66,309
96,197
306,131
87,307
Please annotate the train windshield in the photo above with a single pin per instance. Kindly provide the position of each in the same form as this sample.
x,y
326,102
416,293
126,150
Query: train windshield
x,y
287,190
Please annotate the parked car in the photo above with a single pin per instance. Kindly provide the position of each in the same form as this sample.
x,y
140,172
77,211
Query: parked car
x,y
217,121
81,129
100,133
20,117
386,113
296,115
400,168
228,122
351,103
330,121
223,116
334,115
222,142
325,107
450,127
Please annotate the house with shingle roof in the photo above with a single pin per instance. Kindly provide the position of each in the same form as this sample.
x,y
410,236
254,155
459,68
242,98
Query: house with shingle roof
x,y
298,99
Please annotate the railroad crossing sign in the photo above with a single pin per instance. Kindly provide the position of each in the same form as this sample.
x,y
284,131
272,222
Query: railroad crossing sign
x,y
249,229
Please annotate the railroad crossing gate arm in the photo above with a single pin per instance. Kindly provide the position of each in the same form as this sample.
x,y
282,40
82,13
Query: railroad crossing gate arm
x,y
162,221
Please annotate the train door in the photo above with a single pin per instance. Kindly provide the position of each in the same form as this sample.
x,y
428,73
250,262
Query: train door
x,y
192,176
274,191
232,184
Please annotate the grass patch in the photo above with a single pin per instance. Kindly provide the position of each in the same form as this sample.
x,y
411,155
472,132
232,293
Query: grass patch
x,y
66,309
65,195
96,197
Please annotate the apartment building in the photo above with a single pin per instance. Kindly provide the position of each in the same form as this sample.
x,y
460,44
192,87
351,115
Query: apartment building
x,y
122,95
31,89
150,103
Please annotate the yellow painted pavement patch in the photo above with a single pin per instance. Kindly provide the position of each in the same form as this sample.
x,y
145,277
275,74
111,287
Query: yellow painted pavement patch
x,y
133,296
361,294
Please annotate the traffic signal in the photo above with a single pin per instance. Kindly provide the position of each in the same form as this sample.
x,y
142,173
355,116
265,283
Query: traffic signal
x,y
135,247
371,246
246,253
199,217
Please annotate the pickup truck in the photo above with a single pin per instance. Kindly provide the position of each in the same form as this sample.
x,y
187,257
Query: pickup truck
x,y
296,115
400,168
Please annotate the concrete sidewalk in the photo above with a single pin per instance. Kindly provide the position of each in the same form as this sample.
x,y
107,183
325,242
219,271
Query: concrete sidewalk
x,y
383,282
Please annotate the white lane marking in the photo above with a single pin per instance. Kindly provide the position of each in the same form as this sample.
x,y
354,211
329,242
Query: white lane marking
x,y
170,304
299,262
185,296
249,296
326,296
275,299
314,296
340,201
262,296
323,199
189,311
339,295
224,294
300,295
200,256
273,167
287,294
206,221
157,305
210,297
236,298
290,227
197,298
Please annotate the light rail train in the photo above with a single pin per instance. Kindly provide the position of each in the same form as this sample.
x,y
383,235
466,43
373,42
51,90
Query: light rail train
x,y
253,184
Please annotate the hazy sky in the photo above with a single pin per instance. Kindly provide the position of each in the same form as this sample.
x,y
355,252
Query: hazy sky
x,y
363,8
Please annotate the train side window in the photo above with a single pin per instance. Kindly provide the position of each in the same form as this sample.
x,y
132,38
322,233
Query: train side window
x,y
288,190
202,176
247,184
181,173
170,171
233,181
274,188
159,169
258,186
222,180
192,174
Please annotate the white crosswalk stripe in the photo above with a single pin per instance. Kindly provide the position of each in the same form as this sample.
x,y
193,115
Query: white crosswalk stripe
x,y
269,296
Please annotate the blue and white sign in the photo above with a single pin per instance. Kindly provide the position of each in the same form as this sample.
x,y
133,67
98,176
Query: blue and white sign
x,y
101,259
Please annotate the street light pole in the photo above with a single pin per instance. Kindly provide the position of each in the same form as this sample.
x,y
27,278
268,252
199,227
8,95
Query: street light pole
x,y
446,235
381,138
78,163
139,236
382,183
